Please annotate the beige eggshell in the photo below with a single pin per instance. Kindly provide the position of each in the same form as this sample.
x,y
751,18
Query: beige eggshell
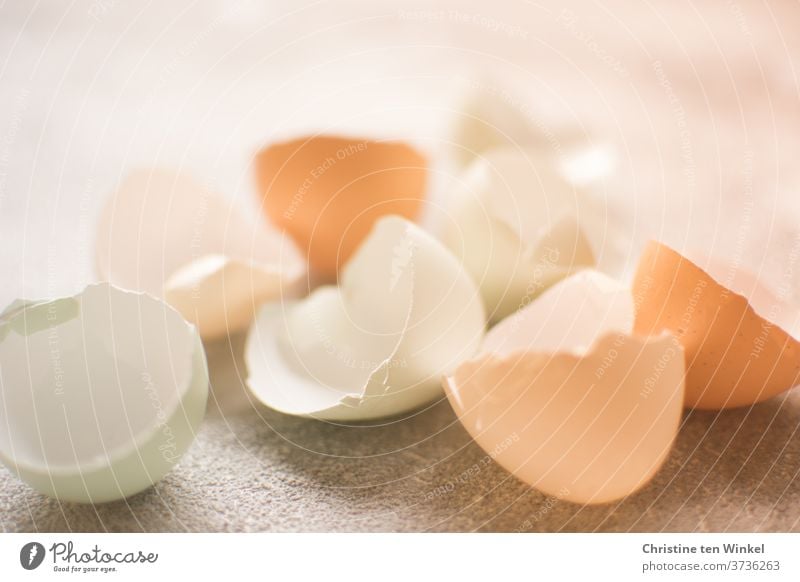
x,y
566,398
739,342
405,313
213,291
515,227
164,233
328,191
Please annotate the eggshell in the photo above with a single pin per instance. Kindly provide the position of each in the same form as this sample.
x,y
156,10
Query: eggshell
x,y
162,221
515,227
741,343
328,191
568,399
491,116
102,392
404,314
213,291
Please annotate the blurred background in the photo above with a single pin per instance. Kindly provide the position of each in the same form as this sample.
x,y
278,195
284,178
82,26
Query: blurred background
x,y
698,101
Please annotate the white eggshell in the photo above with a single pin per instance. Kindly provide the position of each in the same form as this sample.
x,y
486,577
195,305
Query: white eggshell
x,y
491,116
568,399
515,227
162,230
404,314
101,392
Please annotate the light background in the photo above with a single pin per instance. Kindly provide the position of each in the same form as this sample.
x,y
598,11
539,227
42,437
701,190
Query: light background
x,y
700,100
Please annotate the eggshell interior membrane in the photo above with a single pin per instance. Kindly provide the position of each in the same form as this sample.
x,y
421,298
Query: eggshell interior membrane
x,y
566,398
327,191
160,222
515,227
404,314
738,337
101,393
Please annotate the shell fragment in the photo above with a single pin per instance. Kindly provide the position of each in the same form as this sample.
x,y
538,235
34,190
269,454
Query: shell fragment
x,y
164,233
516,228
328,191
568,399
741,340
404,314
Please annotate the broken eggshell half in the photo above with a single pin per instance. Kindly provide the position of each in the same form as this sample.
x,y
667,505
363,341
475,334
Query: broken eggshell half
x,y
328,191
742,341
567,398
101,392
164,233
515,227
404,314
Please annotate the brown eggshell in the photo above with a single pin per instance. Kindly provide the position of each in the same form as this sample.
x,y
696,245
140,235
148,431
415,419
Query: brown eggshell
x,y
327,192
736,353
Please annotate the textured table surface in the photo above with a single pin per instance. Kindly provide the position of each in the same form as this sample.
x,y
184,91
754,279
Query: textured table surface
x,y
700,101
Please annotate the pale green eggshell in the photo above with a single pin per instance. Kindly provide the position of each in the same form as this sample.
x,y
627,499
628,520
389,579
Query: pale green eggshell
x,y
102,393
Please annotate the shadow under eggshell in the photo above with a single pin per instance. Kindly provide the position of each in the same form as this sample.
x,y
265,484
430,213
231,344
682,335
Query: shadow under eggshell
x,y
734,356
327,192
